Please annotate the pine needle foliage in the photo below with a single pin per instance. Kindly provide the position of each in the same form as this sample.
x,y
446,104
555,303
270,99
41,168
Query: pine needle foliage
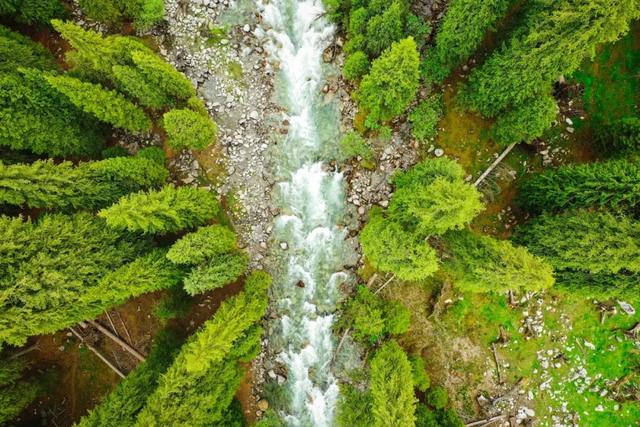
x,y
15,394
189,129
168,210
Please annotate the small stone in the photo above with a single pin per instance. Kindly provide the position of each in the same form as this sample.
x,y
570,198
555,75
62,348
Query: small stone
x,y
570,129
439,152
263,405
284,246
569,121
627,308
246,28
361,210
384,203
254,115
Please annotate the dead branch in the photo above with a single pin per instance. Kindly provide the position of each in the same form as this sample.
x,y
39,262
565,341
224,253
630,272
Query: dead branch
x,y
494,164
124,326
135,353
25,351
393,276
97,353
372,280
633,332
344,336
113,327
495,359
509,394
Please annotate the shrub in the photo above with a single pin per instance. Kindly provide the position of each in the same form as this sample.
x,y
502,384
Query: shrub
x,y
421,379
438,397
356,66
353,145
424,118
189,129
153,153
373,318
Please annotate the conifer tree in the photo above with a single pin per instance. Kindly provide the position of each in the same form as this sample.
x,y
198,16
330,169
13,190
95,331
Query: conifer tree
x,y
64,269
621,136
36,117
161,74
392,83
526,122
553,41
482,264
134,83
461,31
121,406
198,388
106,105
17,51
217,272
189,129
92,185
393,400
32,12
614,184
15,394
168,210
596,242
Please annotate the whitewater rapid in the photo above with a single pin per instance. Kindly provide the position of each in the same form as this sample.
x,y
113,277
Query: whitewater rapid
x,y
309,242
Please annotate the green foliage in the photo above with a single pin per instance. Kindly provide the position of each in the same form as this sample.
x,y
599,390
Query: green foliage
x,y
526,122
93,185
421,380
162,74
15,394
432,198
145,13
219,271
622,285
356,65
122,405
614,184
189,129
33,12
106,105
596,242
386,28
199,386
482,264
354,407
153,153
35,117
553,41
114,151
438,397
175,305
460,33
353,145
393,401
425,417
202,245
622,136
133,82
373,318
62,270
18,51
424,118
165,211
388,247
392,84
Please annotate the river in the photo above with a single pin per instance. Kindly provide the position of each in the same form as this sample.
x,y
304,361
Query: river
x,y
308,238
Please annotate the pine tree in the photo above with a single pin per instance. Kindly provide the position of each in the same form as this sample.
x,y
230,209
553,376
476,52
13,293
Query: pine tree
x,y
596,242
106,105
35,117
392,83
202,245
206,372
393,400
64,269
189,129
384,29
121,406
32,12
168,210
526,122
483,264
461,31
553,41
161,74
219,271
92,185
134,83
17,51
614,184
622,136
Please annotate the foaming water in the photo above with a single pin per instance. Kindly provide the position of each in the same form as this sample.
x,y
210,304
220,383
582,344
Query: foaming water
x,y
312,200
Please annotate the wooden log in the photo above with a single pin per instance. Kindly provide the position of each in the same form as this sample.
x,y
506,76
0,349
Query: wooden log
x,y
494,164
135,353
98,353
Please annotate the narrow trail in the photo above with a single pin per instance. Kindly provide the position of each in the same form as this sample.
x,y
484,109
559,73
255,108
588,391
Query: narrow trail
x,y
309,243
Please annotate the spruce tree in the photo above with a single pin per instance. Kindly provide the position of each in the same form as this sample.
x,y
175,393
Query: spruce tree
x,y
189,129
131,81
394,403
106,105
168,210
614,185
199,386
219,271
64,269
92,185
36,117
161,74
554,39
483,264
460,33
17,51
526,122
392,83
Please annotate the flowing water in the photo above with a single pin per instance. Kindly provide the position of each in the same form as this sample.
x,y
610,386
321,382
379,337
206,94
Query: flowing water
x,y
310,243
